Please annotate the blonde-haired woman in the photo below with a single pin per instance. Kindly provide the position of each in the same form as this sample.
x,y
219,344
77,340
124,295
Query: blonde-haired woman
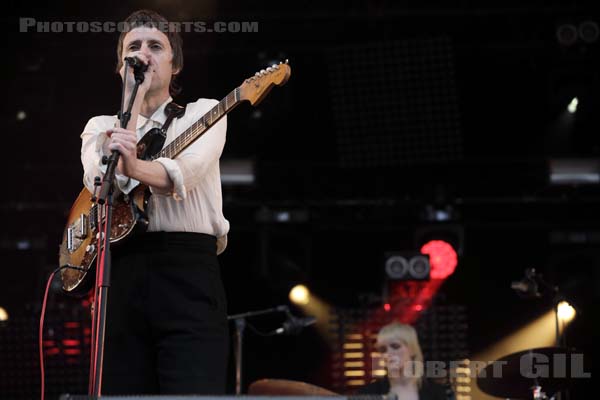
x,y
399,345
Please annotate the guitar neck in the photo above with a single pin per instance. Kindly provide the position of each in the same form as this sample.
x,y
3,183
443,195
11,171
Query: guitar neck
x,y
199,127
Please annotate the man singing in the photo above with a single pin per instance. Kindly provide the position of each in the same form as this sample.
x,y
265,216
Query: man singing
x,y
166,329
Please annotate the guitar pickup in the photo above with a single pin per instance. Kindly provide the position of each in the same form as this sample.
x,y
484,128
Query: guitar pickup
x,y
93,218
83,228
70,245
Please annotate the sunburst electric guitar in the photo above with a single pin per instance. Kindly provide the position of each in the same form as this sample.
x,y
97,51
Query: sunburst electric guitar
x,y
79,242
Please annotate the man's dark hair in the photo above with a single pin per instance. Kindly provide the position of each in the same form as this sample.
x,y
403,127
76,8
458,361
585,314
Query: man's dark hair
x,y
152,19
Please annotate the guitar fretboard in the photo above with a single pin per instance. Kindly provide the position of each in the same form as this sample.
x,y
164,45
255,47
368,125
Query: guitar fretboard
x,y
199,127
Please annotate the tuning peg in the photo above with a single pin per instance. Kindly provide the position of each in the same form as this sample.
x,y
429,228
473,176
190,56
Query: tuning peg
x,y
257,74
270,69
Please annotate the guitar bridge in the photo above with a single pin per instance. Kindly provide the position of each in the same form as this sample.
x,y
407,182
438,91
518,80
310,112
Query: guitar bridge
x,y
77,232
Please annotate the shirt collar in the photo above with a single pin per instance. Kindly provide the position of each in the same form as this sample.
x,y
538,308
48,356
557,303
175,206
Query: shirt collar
x,y
159,117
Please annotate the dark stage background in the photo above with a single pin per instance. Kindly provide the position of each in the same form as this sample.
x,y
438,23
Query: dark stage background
x,y
393,111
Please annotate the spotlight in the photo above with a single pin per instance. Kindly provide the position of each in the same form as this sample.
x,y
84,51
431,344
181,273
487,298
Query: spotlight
x,y
572,107
300,295
442,256
439,213
566,312
574,171
3,315
237,172
407,266
566,34
588,31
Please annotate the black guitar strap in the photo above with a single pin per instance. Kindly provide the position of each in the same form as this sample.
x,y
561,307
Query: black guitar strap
x,y
154,140
173,110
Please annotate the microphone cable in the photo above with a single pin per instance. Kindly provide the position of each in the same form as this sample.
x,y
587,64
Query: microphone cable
x,y
41,329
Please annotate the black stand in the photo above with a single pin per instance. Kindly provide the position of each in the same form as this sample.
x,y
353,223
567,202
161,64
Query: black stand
x,y
103,261
240,325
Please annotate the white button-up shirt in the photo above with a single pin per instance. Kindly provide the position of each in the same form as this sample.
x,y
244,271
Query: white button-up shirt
x,y
196,203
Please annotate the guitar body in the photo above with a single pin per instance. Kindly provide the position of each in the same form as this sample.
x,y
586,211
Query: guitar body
x,y
79,246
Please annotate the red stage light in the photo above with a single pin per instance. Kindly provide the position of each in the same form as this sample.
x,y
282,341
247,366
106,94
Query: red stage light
x,y
387,307
442,258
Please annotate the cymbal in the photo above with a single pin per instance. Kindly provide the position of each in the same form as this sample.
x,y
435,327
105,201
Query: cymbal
x,y
284,387
515,375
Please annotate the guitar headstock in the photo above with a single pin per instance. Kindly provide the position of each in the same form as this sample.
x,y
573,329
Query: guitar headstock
x,y
255,89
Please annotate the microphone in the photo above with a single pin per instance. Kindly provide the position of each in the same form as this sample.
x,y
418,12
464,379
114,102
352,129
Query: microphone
x,y
528,286
136,64
294,325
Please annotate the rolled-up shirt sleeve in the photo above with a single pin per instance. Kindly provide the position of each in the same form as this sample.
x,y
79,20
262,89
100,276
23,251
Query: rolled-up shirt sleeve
x,y
190,168
93,138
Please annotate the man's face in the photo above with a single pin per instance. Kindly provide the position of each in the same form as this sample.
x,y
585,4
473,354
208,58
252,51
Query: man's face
x,y
153,47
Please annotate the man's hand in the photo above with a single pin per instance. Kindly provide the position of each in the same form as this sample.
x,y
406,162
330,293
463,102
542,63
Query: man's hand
x,y
125,142
144,86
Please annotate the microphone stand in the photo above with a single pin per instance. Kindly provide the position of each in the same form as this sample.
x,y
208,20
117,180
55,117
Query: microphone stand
x,y
103,260
240,325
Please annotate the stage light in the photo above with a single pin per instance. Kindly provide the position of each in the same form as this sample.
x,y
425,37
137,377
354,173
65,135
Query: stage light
x,y
438,213
442,257
566,312
354,373
589,31
573,171
566,34
237,172
354,364
3,315
406,266
387,307
353,346
572,107
355,354
300,295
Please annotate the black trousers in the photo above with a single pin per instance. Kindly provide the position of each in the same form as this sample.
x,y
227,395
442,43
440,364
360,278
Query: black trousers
x,y
166,327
